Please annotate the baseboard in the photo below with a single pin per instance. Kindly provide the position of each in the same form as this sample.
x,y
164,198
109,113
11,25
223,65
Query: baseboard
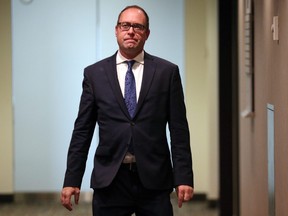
x,y
7,198
201,197
196,197
87,197
213,203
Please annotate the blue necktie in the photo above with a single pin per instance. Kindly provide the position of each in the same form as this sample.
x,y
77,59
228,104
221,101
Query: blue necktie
x,y
130,89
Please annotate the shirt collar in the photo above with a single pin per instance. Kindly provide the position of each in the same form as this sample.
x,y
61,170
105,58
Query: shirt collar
x,y
139,58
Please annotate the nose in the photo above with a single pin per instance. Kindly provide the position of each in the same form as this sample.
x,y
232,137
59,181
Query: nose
x,y
131,30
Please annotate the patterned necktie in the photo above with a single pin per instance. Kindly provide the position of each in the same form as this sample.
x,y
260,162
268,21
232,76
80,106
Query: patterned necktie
x,y
130,89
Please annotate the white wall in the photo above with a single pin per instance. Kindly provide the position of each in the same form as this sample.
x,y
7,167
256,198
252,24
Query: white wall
x,y
202,93
52,42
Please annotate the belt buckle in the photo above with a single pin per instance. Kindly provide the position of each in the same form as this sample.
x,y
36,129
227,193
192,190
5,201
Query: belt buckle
x,y
129,158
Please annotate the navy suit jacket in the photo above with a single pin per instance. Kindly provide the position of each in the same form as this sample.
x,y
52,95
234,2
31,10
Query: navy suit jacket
x,y
160,102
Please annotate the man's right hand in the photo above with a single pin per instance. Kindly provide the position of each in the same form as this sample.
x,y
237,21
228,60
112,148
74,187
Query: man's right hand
x,y
67,193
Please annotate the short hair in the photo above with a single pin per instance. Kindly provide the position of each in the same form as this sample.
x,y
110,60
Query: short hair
x,y
137,7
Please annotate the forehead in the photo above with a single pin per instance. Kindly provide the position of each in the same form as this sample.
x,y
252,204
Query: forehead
x,y
133,15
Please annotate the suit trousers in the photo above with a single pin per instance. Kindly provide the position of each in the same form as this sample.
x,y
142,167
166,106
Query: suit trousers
x,y
127,195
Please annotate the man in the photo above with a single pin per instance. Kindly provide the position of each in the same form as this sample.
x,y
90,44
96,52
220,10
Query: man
x,y
132,102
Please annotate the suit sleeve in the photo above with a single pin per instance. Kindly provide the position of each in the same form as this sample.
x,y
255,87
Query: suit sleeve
x,y
81,137
179,132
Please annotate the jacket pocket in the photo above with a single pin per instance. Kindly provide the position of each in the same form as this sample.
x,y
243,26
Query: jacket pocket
x,y
103,151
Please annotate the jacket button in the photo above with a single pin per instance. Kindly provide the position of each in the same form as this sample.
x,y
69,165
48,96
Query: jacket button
x,y
132,123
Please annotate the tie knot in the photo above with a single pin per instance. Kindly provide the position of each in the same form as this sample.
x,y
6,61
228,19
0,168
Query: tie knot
x,y
130,63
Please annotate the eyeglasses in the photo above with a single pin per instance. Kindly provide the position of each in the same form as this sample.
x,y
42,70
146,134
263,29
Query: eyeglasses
x,y
125,26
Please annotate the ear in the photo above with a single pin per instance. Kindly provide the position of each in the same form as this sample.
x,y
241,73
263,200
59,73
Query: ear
x,y
116,30
147,33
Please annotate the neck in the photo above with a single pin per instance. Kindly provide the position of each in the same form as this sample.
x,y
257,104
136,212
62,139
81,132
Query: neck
x,y
130,55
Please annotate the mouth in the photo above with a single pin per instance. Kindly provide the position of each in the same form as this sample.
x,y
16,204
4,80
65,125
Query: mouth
x,y
130,40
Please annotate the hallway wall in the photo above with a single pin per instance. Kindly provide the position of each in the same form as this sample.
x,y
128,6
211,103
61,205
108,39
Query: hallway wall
x,y
6,115
271,87
201,90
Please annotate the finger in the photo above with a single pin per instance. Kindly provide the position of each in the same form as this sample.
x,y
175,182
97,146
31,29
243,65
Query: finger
x,y
180,201
76,196
180,198
68,206
65,200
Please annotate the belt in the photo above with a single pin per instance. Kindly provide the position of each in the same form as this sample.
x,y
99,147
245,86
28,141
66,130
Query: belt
x,y
129,158
129,162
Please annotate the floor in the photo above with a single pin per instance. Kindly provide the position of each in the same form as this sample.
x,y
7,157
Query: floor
x,y
51,207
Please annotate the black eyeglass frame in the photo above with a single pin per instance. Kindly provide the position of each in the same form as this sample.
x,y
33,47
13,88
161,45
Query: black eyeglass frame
x,y
125,26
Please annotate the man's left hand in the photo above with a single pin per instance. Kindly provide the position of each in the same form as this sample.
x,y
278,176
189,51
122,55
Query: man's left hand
x,y
184,194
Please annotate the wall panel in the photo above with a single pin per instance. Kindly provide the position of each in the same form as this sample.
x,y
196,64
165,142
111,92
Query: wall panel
x,y
271,87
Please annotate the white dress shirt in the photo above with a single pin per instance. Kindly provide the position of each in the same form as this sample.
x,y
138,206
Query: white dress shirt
x,y
137,70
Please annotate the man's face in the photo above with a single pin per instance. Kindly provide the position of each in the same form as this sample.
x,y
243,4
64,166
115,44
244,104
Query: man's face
x,y
131,32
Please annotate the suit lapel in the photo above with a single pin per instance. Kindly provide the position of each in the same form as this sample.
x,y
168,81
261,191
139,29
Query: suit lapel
x,y
114,83
148,74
